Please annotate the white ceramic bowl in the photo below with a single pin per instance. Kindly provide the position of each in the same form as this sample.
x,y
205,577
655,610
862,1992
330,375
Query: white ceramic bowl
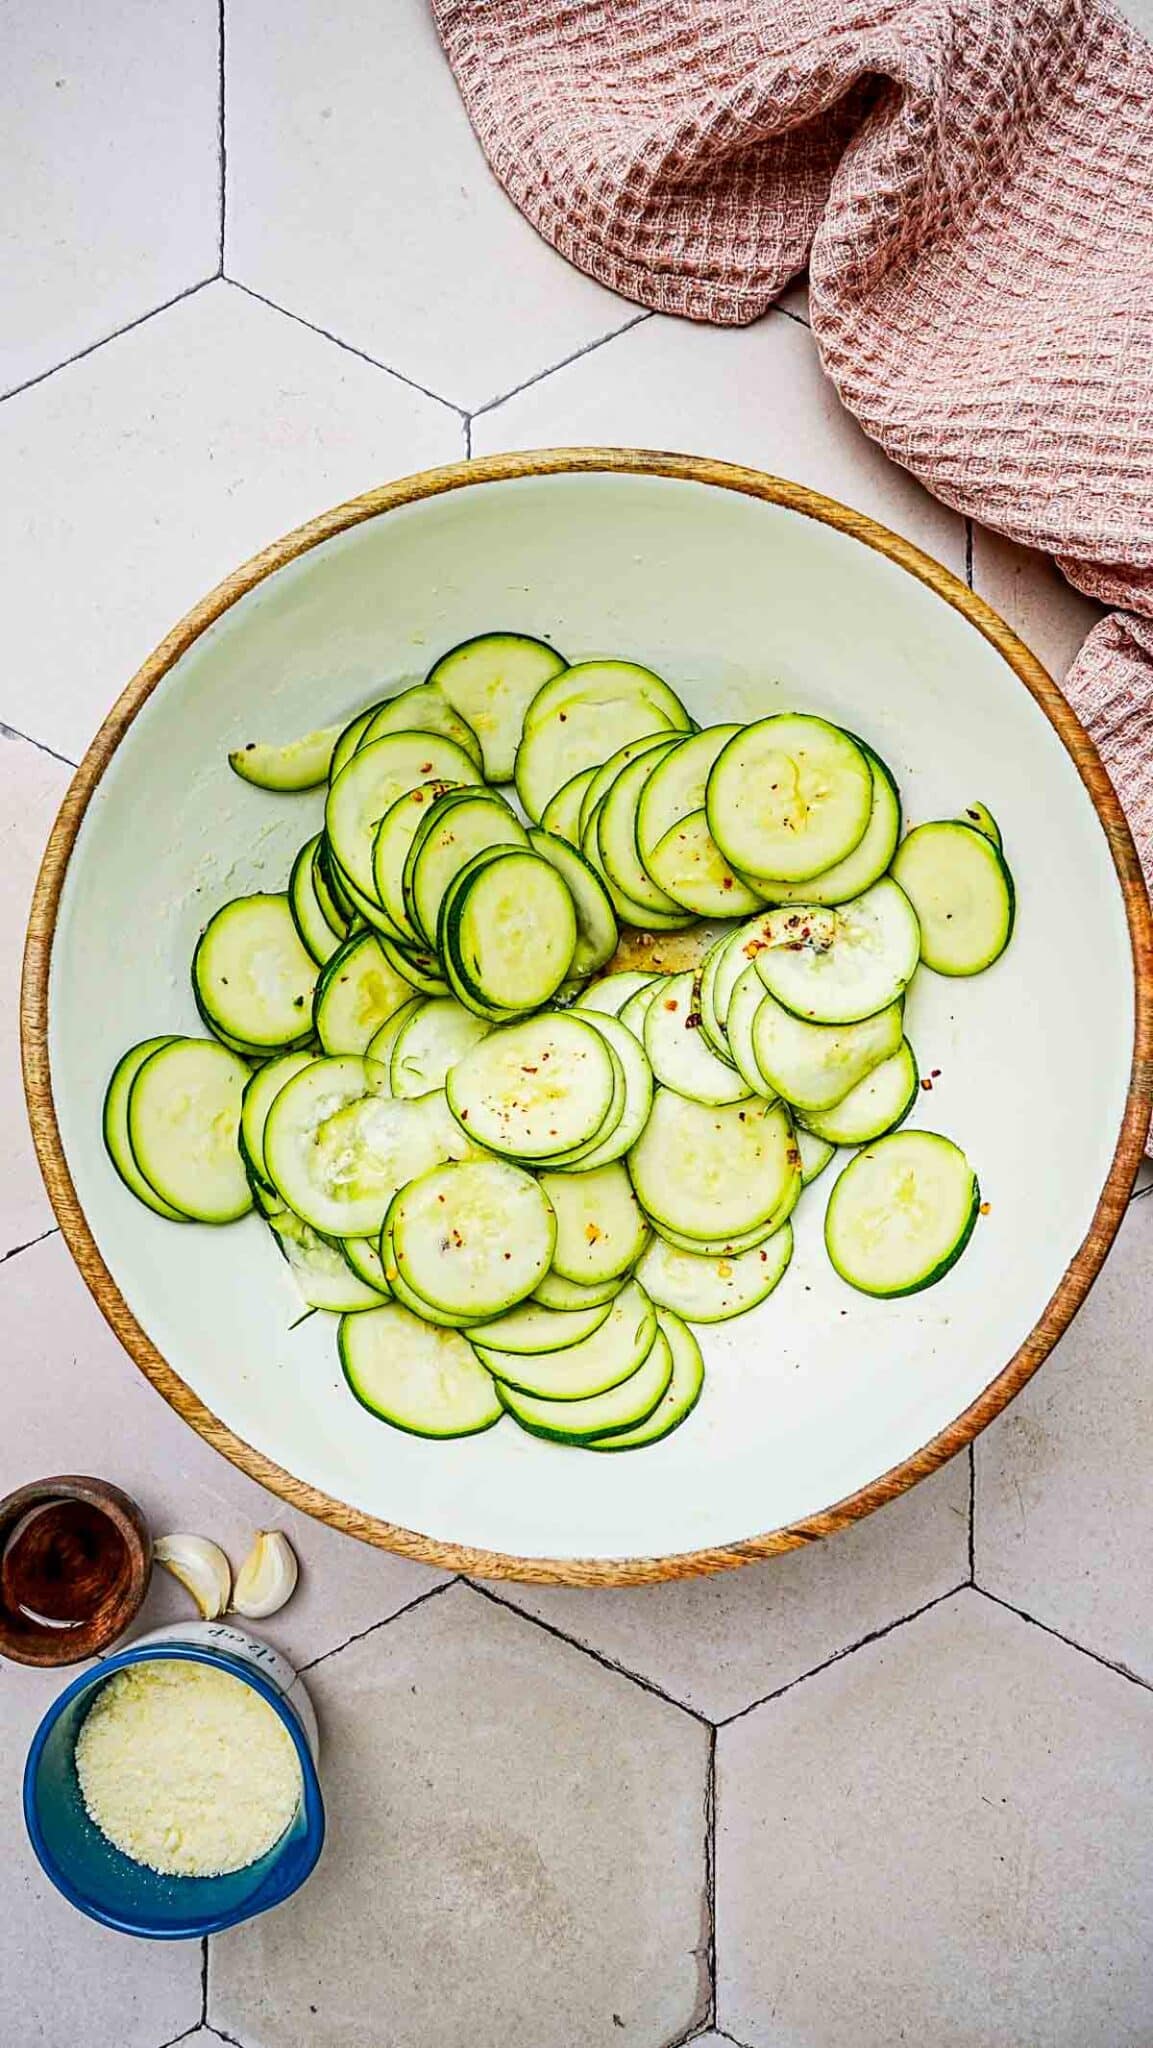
x,y
749,595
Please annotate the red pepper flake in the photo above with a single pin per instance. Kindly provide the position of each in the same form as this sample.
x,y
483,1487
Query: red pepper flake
x,y
464,1116
530,1070
563,717
985,1208
671,1003
926,1083
727,882
508,1255
935,1074
693,1021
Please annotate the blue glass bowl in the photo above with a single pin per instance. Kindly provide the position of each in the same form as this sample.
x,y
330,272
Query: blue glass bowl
x,y
107,1885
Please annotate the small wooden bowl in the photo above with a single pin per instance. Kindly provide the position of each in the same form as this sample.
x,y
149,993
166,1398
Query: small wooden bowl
x,y
27,1641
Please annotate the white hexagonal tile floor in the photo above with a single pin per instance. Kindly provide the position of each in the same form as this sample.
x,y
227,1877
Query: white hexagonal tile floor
x,y
932,1813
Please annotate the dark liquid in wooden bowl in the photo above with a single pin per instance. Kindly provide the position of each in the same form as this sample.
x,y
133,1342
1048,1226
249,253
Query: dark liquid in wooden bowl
x,y
61,1563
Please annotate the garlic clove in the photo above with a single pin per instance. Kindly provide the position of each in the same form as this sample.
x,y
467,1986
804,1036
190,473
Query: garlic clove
x,y
267,1578
201,1568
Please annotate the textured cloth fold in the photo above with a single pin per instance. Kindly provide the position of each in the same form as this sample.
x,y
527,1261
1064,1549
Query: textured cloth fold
x,y
971,185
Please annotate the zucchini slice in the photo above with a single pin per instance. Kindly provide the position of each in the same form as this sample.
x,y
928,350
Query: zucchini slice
x,y
815,1154
582,717
531,1328
379,1047
789,796
561,814
334,916
323,1277
956,878
534,1089
708,1289
690,867
616,834
605,776
363,1255
869,859
618,1408
633,1015
555,1292
350,739
358,991
679,1054
251,975
472,1238
511,930
680,1396
597,934
370,784
431,1039
422,708
260,1093
744,1008
459,827
308,913
491,680
601,1229
981,818
901,1213
816,1065
706,1170
605,1358
426,1381
183,1121
300,764
877,1104
622,1129
678,784
337,1148
394,837
116,1127
837,966
610,994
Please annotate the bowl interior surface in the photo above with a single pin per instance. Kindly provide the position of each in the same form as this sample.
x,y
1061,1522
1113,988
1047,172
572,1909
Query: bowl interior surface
x,y
746,606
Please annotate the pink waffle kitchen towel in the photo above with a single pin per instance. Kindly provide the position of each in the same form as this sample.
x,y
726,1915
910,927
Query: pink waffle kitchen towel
x,y
971,185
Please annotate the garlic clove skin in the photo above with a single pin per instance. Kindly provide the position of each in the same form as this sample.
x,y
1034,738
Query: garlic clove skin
x,y
202,1569
267,1578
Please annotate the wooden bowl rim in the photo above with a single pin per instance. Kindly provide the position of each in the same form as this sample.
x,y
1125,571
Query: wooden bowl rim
x,y
627,1571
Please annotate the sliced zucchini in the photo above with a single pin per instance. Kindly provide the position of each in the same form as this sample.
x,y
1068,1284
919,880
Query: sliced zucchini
x,y
531,1328
960,887
678,784
981,818
350,739
422,708
337,1148
582,717
616,841
901,1213
363,909
680,1396
394,837
743,1010
620,1132
370,784
690,867
597,933
473,1237
638,911
260,1093
719,971
363,1255
334,917
444,1318
712,1290
634,1012
300,764
815,1154
430,1041
491,681
308,914
601,1228
423,1380
816,1065
323,1276
330,878
183,1122
678,1052
458,828
605,776
116,1128
379,1047
836,966
537,1088
877,1104
358,991
609,1413
561,814
788,796
610,994
415,964
511,931
724,1247
555,1292
252,976
605,1358
870,857
706,1170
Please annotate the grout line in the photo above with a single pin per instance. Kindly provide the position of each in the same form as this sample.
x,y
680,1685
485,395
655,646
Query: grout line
x,y
18,1248
598,1656
186,2035
551,369
129,327
711,1875
1094,1656
1139,1194
204,1982
12,732
972,1514
799,320
348,346
969,553
371,1630
875,1635
220,137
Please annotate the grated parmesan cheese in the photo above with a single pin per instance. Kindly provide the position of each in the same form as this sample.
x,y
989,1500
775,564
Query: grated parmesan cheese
x,y
186,1769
